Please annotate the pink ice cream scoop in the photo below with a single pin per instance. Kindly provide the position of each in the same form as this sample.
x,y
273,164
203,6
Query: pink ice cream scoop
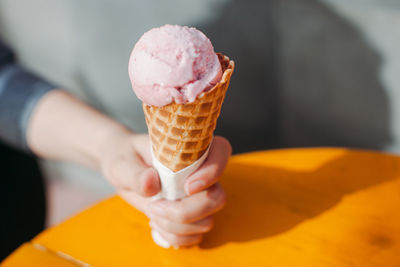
x,y
173,63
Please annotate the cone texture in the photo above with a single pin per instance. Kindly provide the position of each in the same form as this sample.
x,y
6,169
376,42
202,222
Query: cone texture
x,y
181,133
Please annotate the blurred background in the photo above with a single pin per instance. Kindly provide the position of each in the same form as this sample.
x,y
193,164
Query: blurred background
x,y
308,72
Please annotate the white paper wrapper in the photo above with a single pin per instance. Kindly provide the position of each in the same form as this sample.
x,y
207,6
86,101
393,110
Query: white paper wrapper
x,y
172,186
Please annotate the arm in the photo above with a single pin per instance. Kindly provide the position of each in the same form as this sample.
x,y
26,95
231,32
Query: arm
x,y
64,128
55,125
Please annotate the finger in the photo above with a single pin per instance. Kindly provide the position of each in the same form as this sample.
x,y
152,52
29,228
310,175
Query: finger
x,y
210,171
199,227
178,240
137,201
192,208
133,174
149,182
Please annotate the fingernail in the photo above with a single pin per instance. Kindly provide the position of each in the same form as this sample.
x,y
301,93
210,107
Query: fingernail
x,y
196,186
157,210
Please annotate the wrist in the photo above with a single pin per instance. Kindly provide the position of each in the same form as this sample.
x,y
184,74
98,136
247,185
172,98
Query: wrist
x,y
108,142
64,128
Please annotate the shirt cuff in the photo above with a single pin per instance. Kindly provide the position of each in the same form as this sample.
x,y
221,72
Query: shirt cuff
x,y
20,92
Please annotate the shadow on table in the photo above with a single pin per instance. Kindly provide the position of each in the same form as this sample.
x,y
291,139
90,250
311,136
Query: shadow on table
x,y
270,201
305,75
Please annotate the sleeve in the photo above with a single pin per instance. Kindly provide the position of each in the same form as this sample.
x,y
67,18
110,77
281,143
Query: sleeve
x,y
20,91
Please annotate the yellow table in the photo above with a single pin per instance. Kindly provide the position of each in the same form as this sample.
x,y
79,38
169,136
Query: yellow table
x,y
300,207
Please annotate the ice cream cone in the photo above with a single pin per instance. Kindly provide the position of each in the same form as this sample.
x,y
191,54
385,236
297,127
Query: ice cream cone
x,y
181,133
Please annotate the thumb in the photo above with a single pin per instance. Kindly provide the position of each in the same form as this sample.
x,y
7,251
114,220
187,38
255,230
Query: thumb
x,y
148,183
133,174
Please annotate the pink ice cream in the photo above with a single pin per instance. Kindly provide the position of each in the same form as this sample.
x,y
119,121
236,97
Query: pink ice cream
x,y
173,63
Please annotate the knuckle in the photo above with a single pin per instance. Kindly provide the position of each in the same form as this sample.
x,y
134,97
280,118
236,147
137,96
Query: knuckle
x,y
208,228
175,239
221,202
171,238
208,224
222,199
217,199
214,192
189,240
213,205
226,144
197,240
181,217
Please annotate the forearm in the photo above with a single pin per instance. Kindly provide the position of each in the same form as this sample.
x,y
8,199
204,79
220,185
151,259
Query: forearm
x,y
64,128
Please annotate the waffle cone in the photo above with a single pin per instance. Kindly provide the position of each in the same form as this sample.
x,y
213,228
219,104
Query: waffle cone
x,y
181,133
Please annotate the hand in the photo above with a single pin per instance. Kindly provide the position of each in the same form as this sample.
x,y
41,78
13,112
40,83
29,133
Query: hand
x,y
127,165
182,222
92,139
